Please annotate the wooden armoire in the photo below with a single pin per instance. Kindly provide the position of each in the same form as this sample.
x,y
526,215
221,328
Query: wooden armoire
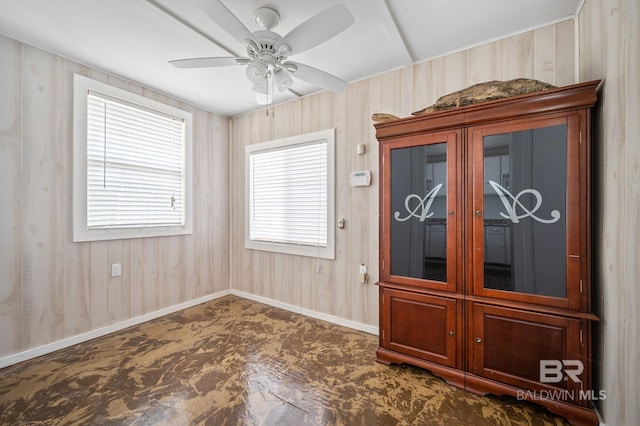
x,y
485,247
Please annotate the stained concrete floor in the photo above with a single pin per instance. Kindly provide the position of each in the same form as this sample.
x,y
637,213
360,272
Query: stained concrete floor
x,y
233,361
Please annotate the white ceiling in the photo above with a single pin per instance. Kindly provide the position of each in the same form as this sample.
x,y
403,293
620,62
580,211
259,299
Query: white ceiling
x,y
135,39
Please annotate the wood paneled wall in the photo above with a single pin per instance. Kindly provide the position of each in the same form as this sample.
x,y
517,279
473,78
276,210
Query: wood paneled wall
x,y
609,39
52,288
331,287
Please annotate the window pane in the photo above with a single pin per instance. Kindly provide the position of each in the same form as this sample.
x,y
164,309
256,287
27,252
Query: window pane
x,y
135,166
525,211
288,192
418,212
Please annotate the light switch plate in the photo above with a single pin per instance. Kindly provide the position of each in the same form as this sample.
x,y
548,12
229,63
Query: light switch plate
x,y
116,269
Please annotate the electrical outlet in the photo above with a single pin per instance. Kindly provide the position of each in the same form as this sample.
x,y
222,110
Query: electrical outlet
x,y
362,274
116,269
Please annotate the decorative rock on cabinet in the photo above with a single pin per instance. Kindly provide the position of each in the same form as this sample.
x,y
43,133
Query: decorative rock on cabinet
x,y
500,302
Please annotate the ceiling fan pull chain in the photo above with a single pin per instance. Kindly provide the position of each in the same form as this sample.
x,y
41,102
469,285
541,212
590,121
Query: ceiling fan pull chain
x,y
272,80
266,109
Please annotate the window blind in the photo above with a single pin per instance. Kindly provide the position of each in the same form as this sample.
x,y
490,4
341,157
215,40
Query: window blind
x,y
135,166
288,194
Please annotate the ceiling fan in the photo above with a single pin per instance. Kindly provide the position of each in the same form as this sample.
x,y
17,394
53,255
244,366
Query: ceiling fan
x,y
267,61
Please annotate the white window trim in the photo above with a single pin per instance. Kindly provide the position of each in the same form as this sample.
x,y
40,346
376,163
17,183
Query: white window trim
x,y
327,252
82,86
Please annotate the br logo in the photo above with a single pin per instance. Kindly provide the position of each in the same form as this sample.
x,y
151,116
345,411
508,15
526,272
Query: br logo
x,y
554,371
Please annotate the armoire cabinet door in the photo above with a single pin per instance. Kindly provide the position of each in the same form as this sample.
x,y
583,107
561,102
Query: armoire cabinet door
x,y
419,217
508,345
526,211
420,325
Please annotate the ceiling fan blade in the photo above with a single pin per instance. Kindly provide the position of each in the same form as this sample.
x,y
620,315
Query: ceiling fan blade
x,y
222,16
317,29
208,62
318,78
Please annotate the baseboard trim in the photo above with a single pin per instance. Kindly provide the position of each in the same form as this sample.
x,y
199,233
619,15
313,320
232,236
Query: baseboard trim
x,y
308,312
103,331
600,421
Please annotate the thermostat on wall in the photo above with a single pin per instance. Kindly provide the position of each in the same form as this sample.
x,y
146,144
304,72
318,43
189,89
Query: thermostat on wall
x,y
361,178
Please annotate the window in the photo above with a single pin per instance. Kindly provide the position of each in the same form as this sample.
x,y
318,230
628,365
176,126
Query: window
x,y
132,165
290,195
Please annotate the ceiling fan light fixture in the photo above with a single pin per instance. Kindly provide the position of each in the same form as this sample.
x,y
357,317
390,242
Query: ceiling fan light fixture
x,y
283,80
256,71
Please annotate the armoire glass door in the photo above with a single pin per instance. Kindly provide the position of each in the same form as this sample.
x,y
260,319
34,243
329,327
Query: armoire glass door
x,y
420,215
522,218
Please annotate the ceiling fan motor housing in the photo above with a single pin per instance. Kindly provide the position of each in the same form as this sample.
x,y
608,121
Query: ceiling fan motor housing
x,y
266,50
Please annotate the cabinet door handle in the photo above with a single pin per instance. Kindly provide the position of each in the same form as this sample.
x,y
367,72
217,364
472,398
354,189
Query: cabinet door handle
x,y
478,340
478,213
452,333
